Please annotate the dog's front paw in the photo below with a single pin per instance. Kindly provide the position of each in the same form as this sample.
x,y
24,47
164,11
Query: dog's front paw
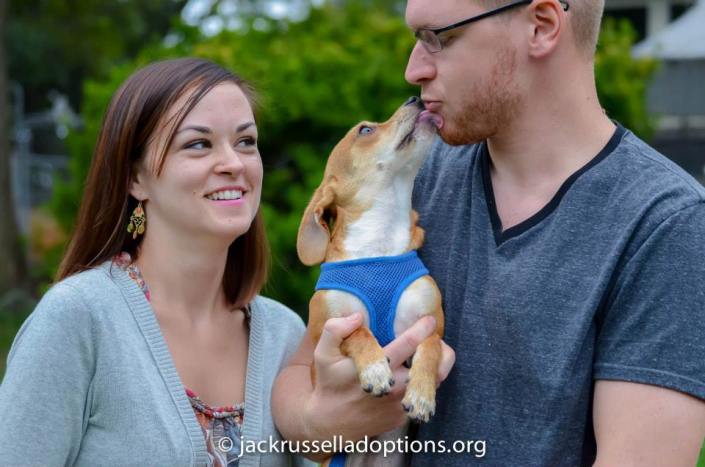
x,y
419,404
377,378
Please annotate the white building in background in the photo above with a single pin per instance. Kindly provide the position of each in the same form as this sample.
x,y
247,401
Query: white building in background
x,y
673,31
677,93
648,16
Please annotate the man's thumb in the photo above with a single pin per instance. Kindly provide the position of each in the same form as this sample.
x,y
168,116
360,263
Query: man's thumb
x,y
335,330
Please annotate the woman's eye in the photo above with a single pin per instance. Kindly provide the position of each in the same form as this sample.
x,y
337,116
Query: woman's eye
x,y
198,144
248,141
366,130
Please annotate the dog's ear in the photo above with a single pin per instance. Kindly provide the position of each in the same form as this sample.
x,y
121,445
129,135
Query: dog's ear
x,y
314,234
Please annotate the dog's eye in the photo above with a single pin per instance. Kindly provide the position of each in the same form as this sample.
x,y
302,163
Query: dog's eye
x,y
365,130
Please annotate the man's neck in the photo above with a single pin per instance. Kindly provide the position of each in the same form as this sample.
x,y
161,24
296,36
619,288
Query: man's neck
x,y
543,146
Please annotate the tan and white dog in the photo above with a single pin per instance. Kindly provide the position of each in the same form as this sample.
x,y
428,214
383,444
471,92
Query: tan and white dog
x,y
362,209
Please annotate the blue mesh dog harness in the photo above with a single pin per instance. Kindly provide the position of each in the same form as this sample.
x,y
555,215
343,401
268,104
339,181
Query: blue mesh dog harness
x,y
378,282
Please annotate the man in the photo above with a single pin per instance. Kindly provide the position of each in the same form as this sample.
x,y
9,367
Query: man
x,y
569,254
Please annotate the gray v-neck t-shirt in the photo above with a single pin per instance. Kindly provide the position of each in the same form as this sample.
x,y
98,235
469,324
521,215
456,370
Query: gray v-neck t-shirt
x,y
607,281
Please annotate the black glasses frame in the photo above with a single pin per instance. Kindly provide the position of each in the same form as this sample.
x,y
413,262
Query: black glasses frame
x,y
421,32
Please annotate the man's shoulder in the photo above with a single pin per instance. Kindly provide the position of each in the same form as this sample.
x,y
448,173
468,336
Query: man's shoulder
x,y
635,192
649,173
628,180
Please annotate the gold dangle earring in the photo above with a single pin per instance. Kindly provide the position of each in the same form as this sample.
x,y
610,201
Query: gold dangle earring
x,y
137,221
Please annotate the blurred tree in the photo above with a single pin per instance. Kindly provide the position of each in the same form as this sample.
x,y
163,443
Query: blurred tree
x,y
317,78
12,267
622,81
55,44
214,15
389,6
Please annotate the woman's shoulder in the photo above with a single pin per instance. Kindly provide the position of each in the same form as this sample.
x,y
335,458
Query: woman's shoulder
x,y
275,333
77,299
64,315
85,286
276,312
279,323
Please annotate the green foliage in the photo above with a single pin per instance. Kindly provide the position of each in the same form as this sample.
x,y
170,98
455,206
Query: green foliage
x,y
316,79
15,306
621,80
54,44
67,194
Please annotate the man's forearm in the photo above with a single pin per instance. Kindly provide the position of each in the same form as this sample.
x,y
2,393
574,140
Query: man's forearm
x,y
292,389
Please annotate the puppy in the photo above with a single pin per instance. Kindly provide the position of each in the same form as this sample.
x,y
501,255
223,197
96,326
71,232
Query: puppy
x,y
360,223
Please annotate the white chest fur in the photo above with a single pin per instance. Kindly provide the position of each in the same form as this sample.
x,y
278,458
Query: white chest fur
x,y
383,229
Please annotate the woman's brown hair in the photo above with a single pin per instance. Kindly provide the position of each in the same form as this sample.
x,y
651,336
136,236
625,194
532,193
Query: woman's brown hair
x,y
134,113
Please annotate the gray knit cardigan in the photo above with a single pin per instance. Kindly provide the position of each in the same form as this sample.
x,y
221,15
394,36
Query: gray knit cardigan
x,y
90,381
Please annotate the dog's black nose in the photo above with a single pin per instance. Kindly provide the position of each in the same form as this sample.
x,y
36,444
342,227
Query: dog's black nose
x,y
414,100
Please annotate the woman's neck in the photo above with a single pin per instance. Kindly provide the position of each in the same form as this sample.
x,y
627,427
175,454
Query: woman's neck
x,y
186,283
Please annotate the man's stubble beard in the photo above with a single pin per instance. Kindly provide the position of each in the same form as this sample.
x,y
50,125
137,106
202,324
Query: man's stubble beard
x,y
485,107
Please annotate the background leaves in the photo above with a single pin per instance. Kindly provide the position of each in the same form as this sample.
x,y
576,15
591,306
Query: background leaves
x,y
317,78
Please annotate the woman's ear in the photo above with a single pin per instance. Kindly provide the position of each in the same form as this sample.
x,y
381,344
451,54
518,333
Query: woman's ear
x,y
314,234
547,18
137,186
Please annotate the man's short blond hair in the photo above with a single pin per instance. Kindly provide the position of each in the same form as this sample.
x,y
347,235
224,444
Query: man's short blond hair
x,y
585,17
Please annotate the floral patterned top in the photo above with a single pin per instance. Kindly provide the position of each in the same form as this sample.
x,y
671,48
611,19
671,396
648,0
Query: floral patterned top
x,y
222,426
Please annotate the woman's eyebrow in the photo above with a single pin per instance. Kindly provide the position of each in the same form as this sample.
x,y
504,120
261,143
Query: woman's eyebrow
x,y
244,126
201,129
206,130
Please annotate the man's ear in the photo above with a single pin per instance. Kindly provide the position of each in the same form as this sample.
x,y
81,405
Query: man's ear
x,y
547,22
314,234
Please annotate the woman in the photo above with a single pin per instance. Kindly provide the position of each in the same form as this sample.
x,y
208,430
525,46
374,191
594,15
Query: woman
x,y
154,348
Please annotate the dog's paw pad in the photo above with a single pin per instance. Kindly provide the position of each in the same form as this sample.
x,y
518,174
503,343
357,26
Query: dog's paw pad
x,y
377,378
418,408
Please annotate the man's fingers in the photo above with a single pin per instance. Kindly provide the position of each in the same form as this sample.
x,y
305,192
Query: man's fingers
x,y
405,345
447,361
401,381
334,331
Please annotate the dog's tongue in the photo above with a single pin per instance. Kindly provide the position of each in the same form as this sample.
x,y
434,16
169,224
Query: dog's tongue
x,y
428,116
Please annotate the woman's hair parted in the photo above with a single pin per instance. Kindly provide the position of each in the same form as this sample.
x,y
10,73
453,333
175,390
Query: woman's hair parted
x,y
135,112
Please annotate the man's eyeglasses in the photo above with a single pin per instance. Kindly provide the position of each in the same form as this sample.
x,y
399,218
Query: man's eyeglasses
x,y
429,37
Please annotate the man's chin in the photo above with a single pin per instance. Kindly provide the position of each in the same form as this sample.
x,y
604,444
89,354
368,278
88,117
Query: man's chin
x,y
454,136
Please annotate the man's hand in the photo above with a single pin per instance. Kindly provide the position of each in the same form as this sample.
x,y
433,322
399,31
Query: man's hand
x,y
338,405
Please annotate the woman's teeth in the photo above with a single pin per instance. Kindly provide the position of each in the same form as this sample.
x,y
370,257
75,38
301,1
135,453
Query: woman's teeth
x,y
225,195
